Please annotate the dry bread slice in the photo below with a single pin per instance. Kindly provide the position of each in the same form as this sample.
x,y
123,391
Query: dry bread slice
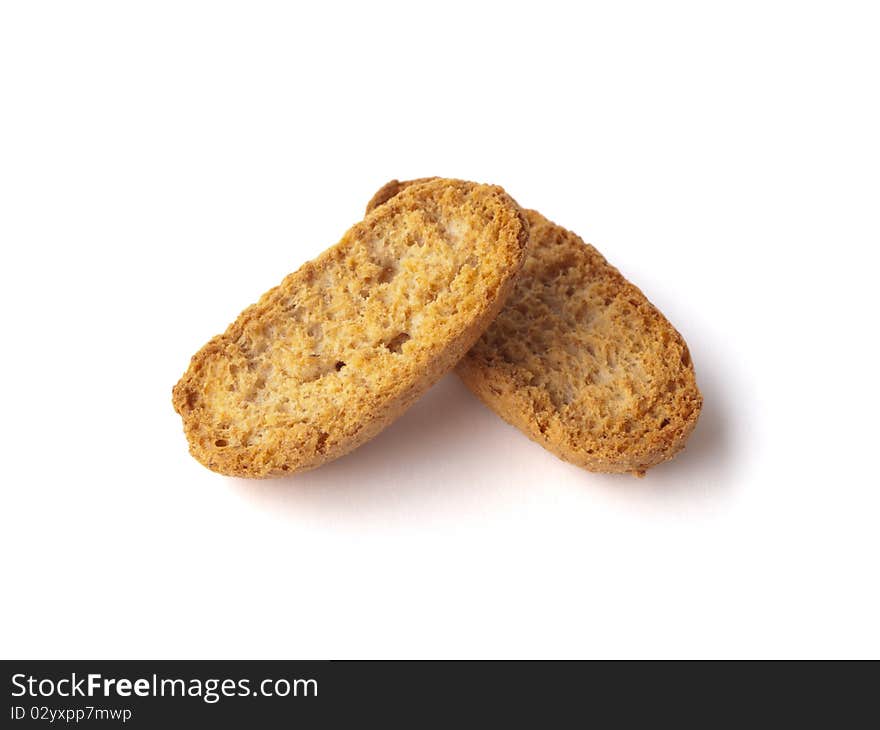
x,y
330,357
580,360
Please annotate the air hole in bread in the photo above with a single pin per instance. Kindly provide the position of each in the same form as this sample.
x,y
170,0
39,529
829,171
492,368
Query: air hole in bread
x,y
221,442
396,344
386,275
664,423
321,444
339,365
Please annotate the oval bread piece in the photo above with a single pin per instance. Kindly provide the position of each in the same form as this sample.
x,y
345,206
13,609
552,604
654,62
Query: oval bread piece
x,y
344,345
580,360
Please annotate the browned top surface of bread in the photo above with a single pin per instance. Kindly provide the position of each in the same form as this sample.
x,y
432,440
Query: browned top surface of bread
x,y
327,359
581,361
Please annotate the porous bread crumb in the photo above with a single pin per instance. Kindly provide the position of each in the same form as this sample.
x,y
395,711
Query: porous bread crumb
x,y
345,344
580,360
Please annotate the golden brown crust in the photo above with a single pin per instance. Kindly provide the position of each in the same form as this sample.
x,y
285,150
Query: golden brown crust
x,y
323,362
581,361
392,188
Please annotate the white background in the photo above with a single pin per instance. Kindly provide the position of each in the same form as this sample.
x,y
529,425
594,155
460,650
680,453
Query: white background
x,y
163,163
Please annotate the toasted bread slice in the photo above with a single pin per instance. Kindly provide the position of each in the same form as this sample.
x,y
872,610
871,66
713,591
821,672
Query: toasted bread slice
x,y
580,360
344,345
